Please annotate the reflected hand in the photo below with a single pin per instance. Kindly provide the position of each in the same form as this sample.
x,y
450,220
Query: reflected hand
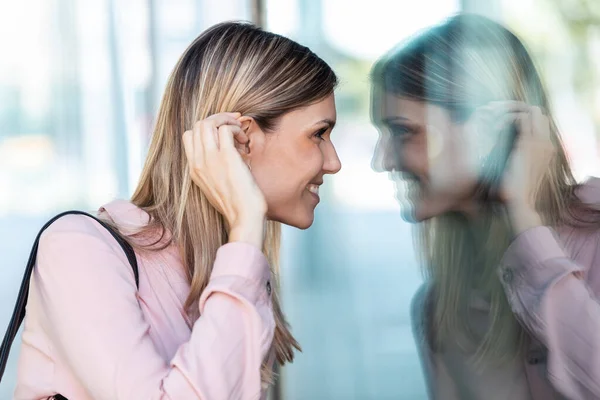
x,y
528,162
531,156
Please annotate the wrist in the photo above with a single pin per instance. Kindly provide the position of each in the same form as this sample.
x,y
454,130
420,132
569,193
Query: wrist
x,y
249,230
523,216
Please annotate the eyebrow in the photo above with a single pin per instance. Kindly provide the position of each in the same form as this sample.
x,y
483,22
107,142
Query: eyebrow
x,y
327,121
391,120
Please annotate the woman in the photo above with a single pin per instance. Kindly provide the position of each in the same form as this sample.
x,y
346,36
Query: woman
x,y
241,144
510,305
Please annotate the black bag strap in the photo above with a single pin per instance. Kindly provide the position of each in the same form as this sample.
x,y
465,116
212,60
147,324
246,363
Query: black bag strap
x,y
19,311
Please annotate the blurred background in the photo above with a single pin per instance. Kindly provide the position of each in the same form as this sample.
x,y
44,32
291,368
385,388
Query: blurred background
x,y
80,83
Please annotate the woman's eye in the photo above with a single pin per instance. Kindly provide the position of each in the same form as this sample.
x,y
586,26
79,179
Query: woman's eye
x,y
400,131
320,134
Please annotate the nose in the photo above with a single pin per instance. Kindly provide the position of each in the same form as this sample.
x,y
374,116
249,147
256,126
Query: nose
x,y
385,157
332,163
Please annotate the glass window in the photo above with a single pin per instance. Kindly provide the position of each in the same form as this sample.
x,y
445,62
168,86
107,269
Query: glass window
x,y
349,279
566,48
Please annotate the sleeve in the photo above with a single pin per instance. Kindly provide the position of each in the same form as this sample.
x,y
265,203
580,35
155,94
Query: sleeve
x,y
546,293
94,320
438,381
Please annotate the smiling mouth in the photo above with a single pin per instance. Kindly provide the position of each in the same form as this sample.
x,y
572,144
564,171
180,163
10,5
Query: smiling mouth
x,y
410,177
314,189
413,190
408,189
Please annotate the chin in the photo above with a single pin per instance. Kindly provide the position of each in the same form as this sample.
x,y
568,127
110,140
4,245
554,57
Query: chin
x,y
408,215
303,225
297,221
407,210
414,215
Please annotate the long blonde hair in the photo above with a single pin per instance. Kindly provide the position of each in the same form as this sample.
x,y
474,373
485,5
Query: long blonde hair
x,y
461,64
229,67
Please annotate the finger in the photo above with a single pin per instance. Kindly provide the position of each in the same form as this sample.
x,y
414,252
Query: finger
x,y
241,141
501,108
225,118
205,136
524,126
483,115
504,121
540,124
506,133
226,133
188,145
241,137
509,105
485,110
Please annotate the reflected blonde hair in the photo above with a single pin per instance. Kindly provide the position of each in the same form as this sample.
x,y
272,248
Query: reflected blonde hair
x,y
230,67
467,62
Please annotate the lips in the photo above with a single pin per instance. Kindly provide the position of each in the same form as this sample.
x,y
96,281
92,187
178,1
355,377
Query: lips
x,y
407,189
314,189
409,176
413,190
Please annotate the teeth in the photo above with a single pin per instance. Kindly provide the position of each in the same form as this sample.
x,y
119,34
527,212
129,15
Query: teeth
x,y
313,189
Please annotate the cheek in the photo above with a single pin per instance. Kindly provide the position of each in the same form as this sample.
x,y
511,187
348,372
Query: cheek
x,y
450,171
303,161
304,167
315,159
285,173
414,157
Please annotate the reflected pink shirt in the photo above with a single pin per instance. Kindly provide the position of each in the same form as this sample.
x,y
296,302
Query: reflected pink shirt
x,y
552,281
89,334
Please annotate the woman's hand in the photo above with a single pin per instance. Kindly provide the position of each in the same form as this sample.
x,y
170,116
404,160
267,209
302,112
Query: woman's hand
x,y
217,168
528,162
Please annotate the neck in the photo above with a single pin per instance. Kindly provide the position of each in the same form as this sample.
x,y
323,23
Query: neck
x,y
470,209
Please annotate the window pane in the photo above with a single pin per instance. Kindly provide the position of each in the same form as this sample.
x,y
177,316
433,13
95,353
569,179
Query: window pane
x,y
349,279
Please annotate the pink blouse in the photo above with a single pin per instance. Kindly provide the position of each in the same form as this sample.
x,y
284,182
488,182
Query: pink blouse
x,y
552,281
89,334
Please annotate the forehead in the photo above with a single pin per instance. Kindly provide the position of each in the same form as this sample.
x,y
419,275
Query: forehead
x,y
390,107
321,110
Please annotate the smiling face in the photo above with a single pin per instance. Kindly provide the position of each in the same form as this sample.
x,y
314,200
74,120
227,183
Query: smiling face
x,y
425,152
289,163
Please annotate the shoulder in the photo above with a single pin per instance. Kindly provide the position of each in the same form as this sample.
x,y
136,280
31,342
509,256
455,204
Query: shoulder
x,y
78,247
72,227
420,300
76,229
589,192
419,306
127,216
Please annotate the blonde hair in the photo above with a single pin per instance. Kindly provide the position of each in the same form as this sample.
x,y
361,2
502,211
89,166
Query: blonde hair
x,y
467,62
230,67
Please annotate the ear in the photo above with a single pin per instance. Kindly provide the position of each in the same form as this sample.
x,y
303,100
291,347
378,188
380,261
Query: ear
x,y
251,140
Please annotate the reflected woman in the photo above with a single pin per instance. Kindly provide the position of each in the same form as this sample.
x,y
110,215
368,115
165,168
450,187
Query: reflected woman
x,y
510,307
